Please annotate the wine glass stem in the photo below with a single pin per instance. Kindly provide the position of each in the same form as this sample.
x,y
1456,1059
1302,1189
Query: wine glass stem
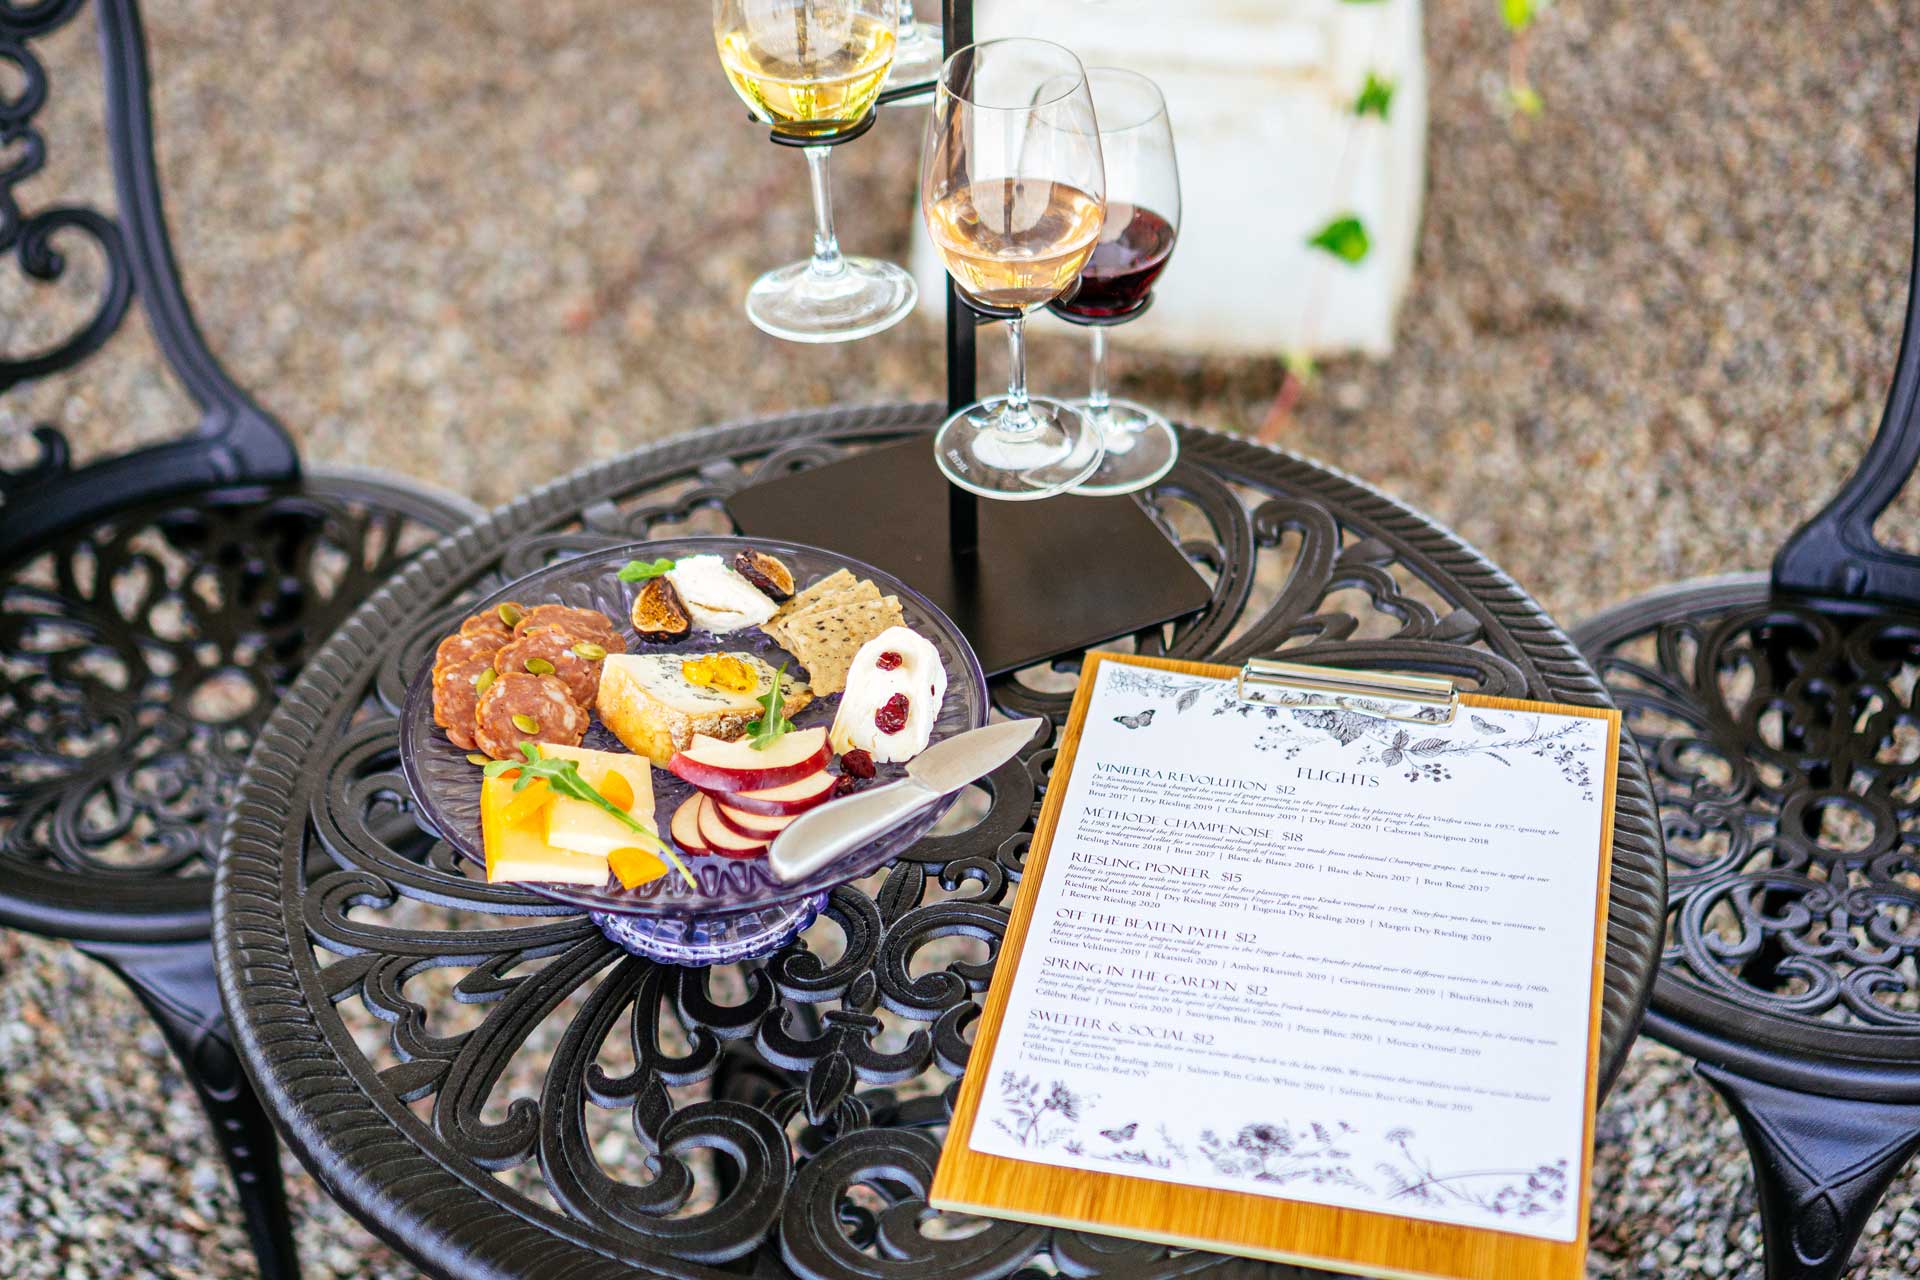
x,y
1017,417
907,20
1097,396
826,246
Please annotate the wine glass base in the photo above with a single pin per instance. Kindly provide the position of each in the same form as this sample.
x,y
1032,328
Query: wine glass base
x,y
800,304
1140,448
975,450
918,57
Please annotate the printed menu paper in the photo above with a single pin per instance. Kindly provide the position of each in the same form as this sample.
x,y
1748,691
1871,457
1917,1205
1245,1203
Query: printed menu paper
x,y
1310,956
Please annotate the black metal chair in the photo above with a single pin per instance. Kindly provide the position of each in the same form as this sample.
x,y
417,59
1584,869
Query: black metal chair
x,y
152,608
1779,720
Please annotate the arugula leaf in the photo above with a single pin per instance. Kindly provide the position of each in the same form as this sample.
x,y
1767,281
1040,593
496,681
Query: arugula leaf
x,y
563,776
1345,238
1375,97
773,723
640,570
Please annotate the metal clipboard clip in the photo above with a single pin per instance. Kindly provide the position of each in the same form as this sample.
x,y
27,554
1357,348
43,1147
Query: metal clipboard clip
x,y
1381,694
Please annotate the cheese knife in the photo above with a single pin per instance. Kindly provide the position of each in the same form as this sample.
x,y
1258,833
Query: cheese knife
x,y
820,835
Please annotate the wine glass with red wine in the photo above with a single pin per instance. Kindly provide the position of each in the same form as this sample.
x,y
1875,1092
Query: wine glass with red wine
x,y
1013,193
1116,285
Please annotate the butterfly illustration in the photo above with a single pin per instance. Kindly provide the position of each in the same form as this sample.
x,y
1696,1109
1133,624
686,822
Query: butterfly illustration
x,y
1138,720
1126,1133
1485,726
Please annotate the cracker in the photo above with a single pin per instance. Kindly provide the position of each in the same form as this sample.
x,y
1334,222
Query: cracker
x,y
853,593
834,583
825,640
837,581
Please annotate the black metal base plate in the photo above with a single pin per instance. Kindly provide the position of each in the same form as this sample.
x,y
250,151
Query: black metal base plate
x,y
1051,577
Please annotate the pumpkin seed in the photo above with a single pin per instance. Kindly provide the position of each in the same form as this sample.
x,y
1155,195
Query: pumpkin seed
x,y
526,724
511,613
474,757
540,666
590,651
485,678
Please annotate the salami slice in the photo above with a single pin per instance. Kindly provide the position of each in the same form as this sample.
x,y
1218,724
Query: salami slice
x,y
489,622
455,696
461,647
585,624
540,701
556,651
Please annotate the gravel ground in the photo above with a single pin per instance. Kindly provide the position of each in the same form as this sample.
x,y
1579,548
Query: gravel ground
x,y
424,231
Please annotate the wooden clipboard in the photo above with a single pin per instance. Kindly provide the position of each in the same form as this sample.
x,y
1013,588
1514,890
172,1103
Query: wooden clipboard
x,y
1369,1243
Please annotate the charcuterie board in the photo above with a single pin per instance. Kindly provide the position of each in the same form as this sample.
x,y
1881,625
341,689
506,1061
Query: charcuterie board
x,y
730,904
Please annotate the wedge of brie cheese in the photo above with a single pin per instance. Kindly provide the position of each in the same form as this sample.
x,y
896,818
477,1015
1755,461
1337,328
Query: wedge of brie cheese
x,y
718,599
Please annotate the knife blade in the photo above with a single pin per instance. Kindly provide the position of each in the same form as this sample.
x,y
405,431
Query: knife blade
x,y
820,835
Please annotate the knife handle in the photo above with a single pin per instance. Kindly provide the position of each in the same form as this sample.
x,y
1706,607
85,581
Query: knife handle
x,y
844,824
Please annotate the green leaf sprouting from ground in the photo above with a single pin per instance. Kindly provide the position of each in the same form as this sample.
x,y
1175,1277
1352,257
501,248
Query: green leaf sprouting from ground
x,y
1376,96
1345,238
1519,14
1524,99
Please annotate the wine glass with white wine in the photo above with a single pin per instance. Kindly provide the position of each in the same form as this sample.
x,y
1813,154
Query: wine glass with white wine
x,y
1013,191
916,49
811,70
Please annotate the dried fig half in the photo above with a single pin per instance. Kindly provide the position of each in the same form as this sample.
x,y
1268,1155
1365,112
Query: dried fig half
x,y
765,572
659,614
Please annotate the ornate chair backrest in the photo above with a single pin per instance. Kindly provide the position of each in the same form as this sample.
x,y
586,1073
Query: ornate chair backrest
x,y
1836,554
236,441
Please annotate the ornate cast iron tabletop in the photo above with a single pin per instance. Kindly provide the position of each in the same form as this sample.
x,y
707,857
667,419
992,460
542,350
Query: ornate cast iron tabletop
x,y
498,1091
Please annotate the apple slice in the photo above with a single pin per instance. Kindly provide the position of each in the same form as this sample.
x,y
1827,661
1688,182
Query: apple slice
x,y
713,765
782,802
754,826
723,840
685,829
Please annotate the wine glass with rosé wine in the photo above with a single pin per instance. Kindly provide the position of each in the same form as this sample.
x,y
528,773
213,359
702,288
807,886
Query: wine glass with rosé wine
x,y
812,70
1014,194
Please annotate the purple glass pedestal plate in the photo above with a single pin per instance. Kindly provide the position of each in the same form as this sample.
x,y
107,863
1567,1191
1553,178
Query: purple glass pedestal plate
x,y
738,911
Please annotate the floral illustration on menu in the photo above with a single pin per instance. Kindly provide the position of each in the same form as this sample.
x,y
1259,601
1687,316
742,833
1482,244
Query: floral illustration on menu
x,y
1421,752
1029,1105
1276,1153
1502,1193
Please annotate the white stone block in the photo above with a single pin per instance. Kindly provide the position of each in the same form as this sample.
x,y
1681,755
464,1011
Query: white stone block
x,y
1261,94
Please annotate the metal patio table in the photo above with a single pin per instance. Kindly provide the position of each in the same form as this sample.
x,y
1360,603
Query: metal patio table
x,y
527,1100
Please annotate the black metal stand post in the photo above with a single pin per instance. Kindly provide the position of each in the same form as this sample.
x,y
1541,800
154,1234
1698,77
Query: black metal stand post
x,y
963,508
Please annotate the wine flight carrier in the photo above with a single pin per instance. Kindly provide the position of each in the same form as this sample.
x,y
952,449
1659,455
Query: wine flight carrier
x,y
1024,581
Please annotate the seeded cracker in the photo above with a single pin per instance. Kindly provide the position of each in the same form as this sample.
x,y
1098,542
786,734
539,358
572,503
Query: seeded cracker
x,y
851,594
862,592
833,584
825,640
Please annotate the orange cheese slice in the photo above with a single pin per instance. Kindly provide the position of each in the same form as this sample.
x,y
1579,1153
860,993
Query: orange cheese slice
x,y
580,827
518,850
